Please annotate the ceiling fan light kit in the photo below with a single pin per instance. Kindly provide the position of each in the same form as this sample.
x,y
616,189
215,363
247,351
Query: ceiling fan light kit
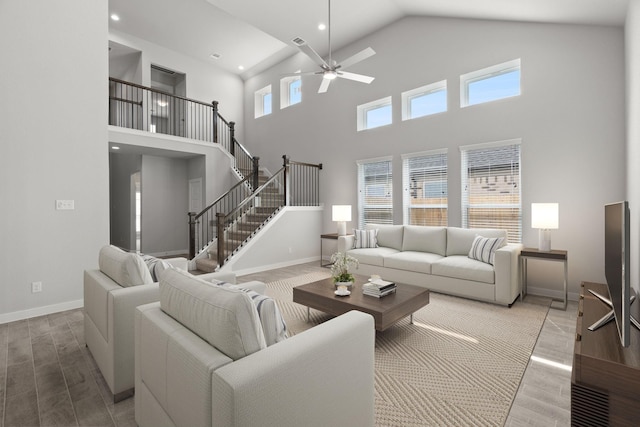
x,y
331,69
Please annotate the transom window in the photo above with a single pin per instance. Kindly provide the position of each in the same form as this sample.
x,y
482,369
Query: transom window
x,y
491,182
290,91
374,114
424,182
424,101
375,196
262,101
490,84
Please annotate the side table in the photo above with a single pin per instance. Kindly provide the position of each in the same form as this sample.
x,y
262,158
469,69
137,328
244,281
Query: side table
x,y
330,236
553,255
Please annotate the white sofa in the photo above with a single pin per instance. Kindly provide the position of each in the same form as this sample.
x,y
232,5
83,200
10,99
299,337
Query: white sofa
x,y
201,361
437,258
111,293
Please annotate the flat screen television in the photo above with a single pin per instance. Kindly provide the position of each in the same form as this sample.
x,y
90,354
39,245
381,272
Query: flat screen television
x,y
616,270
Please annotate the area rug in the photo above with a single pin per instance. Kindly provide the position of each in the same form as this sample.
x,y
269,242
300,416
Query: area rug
x,y
459,364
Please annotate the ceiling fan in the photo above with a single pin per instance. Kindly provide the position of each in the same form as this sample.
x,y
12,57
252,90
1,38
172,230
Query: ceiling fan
x,y
330,68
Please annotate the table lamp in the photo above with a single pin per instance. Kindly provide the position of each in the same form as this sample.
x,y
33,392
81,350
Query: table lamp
x,y
341,214
544,216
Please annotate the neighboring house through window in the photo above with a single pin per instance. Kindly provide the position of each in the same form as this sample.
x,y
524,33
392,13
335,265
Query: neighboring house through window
x,y
424,183
375,197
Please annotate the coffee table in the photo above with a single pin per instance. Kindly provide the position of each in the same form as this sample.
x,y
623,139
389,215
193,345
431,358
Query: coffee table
x,y
386,310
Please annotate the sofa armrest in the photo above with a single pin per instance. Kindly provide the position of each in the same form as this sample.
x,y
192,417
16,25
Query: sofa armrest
x,y
321,377
507,273
223,276
345,243
181,263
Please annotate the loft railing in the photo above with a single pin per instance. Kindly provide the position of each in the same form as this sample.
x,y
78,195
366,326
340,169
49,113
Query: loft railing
x,y
295,184
139,107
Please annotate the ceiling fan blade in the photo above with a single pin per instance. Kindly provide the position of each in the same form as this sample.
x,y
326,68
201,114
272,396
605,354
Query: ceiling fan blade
x,y
357,77
324,85
308,50
360,56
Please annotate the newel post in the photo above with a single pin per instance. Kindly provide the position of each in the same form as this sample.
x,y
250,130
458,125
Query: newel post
x,y
232,138
192,235
256,181
287,182
215,121
220,235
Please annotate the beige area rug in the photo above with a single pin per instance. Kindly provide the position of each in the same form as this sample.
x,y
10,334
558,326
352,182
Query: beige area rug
x,y
460,364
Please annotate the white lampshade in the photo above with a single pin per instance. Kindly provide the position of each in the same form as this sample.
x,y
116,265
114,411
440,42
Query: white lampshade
x,y
544,215
341,214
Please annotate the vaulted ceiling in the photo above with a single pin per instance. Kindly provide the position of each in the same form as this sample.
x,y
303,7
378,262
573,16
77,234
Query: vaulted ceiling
x,y
256,34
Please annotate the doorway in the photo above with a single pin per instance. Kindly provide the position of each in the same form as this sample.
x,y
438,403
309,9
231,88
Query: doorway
x,y
168,112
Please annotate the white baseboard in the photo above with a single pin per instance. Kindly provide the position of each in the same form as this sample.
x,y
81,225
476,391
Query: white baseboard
x,y
274,266
544,292
40,311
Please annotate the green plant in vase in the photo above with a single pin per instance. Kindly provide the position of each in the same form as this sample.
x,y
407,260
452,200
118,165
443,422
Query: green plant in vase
x,y
340,268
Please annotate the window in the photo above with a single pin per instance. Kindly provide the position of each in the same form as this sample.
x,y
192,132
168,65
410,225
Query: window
x,y
375,201
491,187
290,91
374,114
424,183
489,84
263,102
424,101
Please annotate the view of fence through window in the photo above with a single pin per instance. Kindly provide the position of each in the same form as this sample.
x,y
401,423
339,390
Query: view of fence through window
x,y
375,201
425,189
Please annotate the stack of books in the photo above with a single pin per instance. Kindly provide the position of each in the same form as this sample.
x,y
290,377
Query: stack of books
x,y
379,288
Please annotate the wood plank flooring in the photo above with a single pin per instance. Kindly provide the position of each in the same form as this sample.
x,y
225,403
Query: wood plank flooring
x,y
49,378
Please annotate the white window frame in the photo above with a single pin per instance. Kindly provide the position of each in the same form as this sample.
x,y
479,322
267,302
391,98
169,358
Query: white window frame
x,y
362,188
435,155
285,84
426,90
363,109
487,73
516,235
259,101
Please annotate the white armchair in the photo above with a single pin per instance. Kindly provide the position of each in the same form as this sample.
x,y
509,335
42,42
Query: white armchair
x,y
321,377
111,294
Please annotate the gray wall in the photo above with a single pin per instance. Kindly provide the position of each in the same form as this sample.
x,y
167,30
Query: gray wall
x,y
54,143
632,44
570,116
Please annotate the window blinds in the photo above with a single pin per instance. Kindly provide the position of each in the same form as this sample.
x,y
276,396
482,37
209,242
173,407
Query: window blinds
x,y
375,197
491,187
424,183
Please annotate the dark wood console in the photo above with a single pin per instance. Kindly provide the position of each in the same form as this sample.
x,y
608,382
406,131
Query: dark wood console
x,y
605,380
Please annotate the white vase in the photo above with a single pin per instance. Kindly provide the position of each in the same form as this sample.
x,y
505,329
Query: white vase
x,y
347,284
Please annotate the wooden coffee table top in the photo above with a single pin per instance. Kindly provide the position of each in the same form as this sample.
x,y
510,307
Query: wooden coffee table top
x,y
386,310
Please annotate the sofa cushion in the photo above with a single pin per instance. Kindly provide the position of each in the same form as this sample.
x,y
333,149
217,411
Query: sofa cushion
x,y
459,240
372,256
425,239
484,248
225,318
156,266
365,239
419,262
389,236
465,268
274,327
124,268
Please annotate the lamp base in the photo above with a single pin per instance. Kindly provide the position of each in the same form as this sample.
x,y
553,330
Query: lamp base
x,y
342,228
544,240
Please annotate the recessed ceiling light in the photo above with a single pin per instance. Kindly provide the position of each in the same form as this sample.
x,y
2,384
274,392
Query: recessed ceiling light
x,y
322,27
214,56
240,67
115,147
115,17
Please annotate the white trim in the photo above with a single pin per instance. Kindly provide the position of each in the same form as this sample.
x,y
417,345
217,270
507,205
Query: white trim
x,y
285,82
258,100
486,73
363,109
425,153
426,90
40,311
494,144
374,160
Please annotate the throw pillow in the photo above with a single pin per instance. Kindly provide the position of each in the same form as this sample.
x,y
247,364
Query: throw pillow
x,y
484,248
156,266
365,238
273,324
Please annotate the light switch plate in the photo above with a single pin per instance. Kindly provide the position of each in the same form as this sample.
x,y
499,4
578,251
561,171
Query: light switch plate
x,y
65,205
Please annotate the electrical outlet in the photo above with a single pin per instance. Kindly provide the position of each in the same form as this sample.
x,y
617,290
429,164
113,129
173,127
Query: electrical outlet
x,y
36,287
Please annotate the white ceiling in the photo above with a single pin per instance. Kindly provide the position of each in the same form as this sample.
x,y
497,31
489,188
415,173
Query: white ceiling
x,y
258,33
